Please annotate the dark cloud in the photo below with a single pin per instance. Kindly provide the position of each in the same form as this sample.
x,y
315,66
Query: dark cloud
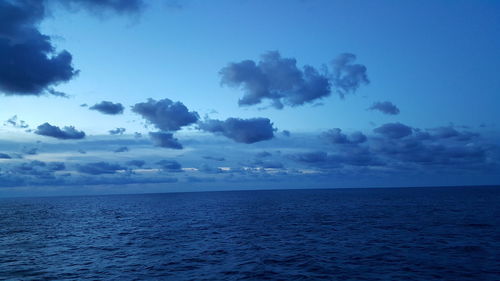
x,y
394,130
137,163
347,76
277,79
68,132
241,130
107,107
117,131
121,149
97,168
385,107
29,62
165,114
163,139
170,165
5,156
215,158
37,67
286,133
336,136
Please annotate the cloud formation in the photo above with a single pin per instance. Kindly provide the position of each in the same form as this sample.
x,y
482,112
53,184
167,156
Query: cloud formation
x,y
335,136
107,107
241,130
29,62
164,139
385,107
277,79
117,131
394,130
165,114
301,159
347,76
14,122
68,132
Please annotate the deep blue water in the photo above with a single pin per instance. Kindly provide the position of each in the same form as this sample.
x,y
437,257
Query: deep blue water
x,y
339,234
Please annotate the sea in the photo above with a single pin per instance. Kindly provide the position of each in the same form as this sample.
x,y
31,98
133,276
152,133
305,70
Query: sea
x,y
438,233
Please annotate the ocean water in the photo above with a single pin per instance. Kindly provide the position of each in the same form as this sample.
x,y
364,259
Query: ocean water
x,y
338,234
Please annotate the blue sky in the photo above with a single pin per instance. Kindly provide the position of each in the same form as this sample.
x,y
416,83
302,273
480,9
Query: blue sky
x,y
436,61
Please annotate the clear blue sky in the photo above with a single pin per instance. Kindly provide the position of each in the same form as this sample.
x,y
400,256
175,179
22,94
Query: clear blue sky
x,y
437,61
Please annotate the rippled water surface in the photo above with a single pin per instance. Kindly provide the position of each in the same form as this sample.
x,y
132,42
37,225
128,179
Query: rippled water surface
x,y
342,234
